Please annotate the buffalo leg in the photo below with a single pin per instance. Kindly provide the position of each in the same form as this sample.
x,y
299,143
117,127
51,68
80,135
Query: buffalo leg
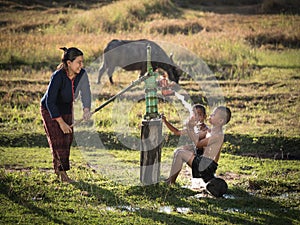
x,y
101,72
110,73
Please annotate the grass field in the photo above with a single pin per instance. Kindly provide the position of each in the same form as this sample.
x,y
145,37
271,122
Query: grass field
x,y
252,48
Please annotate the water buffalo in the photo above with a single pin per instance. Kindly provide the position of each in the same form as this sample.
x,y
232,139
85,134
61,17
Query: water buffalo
x,y
131,55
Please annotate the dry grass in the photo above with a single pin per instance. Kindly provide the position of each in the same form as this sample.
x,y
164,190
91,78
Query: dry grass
x,y
235,46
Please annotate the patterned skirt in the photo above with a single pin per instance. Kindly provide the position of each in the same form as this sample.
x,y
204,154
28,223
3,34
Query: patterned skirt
x,y
59,143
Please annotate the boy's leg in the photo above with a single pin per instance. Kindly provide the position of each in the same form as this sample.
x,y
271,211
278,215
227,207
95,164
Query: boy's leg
x,y
180,156
190,148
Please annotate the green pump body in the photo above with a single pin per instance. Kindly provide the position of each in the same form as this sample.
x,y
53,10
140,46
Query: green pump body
x,y
151,90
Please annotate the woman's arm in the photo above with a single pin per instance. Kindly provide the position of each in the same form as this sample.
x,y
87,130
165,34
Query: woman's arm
x,y
52,93
85,89
86,97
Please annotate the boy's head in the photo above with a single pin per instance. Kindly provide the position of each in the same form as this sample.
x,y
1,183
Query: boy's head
x,y
199,112
221,115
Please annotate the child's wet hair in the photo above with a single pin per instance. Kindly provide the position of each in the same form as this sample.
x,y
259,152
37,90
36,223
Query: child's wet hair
x,y
201,107
225,113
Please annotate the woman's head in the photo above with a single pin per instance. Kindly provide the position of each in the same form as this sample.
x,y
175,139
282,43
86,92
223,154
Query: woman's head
x,y
69,55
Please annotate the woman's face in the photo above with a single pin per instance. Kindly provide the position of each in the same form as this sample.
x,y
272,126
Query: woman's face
x,y
76,65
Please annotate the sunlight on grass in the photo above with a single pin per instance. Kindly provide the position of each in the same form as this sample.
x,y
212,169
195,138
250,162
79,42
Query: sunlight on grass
x,y
284,59
255,60
94,193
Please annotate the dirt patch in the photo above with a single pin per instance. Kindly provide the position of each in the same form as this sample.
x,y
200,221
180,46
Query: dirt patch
x,y
229,176
41,5
245,7
272,147
186,174
16,83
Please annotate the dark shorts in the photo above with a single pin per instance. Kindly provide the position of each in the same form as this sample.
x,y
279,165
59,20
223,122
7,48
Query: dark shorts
x,y
204,168
199,151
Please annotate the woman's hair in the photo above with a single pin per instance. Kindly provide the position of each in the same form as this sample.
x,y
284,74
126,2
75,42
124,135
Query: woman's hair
x,y
69,54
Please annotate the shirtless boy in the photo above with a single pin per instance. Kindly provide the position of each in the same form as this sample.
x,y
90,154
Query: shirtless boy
x,y
203,166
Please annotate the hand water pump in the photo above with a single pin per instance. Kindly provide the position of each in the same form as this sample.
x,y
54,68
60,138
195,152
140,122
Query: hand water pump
x,y
151,132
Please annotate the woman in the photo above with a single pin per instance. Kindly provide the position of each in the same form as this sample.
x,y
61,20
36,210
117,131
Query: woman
x,y
66,83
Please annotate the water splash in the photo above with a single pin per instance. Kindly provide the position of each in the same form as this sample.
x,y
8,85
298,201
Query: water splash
x,y
227,196
165,209
183,210
162,209
187,105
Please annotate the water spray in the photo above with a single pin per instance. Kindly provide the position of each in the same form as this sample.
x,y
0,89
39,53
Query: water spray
x,y
187,105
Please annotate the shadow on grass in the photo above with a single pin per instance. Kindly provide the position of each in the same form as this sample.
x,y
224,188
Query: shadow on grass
x,y
257,209
242,7
102,195
114,199
6,189
243,208
274,147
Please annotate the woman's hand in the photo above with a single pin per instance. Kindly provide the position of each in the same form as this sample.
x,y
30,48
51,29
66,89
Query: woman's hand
x,y
66,129
86,114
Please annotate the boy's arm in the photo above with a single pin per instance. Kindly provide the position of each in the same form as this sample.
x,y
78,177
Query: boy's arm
x,y
173,129
195,137
214,139
200,141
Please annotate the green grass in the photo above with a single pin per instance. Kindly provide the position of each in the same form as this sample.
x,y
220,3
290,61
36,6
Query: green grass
x,y
30,193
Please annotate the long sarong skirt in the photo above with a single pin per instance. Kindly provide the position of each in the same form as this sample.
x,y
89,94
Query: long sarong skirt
x,y
59,143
